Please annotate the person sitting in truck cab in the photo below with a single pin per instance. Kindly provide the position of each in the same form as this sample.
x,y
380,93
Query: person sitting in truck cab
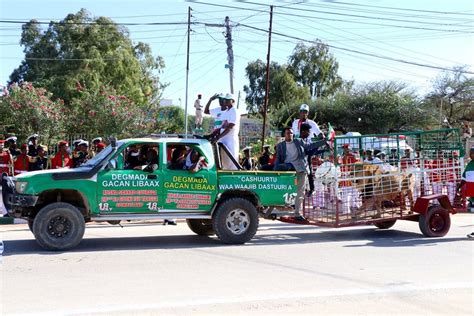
x,y
132,159
194,161
178,158
151,161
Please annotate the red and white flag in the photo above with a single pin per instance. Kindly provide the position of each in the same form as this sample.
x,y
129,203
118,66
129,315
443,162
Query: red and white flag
x,y
331,135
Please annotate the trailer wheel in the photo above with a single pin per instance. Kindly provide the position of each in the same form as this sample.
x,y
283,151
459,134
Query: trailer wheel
x,y
435,222
235,221
385,224
201,227
58,226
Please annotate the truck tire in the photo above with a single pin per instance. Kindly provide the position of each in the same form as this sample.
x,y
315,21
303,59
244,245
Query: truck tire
x,y
201,227
30,223
235,221
59,226
435,222
385,224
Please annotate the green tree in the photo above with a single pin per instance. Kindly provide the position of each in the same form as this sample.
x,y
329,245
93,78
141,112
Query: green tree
x,y
106,112
315,68
90,52
32,110
378,107
169,120
451,98
283,88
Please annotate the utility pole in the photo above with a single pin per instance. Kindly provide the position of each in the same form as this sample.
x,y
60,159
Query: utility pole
x,y
187,77
267,86
230,53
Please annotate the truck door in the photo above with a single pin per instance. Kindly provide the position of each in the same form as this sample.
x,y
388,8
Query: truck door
x,y
124,187
183,190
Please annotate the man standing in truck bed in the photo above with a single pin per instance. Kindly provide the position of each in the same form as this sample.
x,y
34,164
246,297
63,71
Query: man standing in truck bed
x,y
229,133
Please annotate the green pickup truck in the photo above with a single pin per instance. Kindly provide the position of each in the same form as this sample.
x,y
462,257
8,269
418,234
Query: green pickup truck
x,y
108,188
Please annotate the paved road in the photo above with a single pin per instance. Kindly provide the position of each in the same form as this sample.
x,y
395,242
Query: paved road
x,y
145,269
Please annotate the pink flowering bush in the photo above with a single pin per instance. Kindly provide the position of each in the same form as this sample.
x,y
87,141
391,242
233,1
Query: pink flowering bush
x,y
25,110
105,113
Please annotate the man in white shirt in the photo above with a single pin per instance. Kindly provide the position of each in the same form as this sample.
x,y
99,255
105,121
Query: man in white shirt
x,y
216,113
303,118
198,107
229,133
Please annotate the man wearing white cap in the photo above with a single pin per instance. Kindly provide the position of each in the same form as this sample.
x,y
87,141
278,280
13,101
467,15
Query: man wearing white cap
x,y
303,118
12,146
93,150
32,145
81,155
229,133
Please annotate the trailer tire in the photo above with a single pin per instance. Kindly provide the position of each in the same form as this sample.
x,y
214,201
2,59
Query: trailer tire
x,y
201,227
435,222
59,226
235,221
385,224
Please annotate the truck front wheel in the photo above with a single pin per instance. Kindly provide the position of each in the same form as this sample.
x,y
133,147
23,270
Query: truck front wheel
x,y
235,221
201,227
59,226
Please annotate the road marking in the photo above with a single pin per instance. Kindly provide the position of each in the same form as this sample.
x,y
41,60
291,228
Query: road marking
x,y
257,298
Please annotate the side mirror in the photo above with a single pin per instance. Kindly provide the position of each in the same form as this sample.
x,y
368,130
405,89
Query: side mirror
x,y
112,164
113,141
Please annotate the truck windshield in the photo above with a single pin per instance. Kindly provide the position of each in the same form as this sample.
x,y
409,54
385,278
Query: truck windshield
x,y
99,157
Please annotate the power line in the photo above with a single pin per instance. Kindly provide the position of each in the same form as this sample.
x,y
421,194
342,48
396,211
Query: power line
x,y
339,20
96,23
359,52
358,16
403,9
391,46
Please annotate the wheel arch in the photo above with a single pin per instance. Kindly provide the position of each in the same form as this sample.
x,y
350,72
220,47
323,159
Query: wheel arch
x,y
70,196
252,197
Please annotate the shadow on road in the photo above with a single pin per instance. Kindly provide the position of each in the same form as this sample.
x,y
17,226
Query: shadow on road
x,y
362,237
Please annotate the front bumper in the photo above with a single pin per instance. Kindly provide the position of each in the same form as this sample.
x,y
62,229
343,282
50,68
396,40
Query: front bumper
x,y
13,201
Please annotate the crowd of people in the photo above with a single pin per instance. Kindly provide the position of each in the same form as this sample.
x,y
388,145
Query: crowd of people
x,y
32,156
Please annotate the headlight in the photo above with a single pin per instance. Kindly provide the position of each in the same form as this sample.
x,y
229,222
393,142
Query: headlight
x,y
20,187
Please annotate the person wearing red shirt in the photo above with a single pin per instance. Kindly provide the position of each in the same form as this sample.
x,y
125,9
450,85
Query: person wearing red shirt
x,y
22,161
350,195
5,159
62,158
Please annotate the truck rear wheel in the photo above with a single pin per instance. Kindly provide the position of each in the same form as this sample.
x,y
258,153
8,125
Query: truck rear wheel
x,y
235,221
59,226
201,227
435,222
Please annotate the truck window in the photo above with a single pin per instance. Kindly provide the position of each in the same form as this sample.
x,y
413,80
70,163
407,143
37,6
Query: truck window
x,y
141,156
178,152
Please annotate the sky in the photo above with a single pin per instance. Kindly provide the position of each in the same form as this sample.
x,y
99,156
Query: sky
x,y
372,40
